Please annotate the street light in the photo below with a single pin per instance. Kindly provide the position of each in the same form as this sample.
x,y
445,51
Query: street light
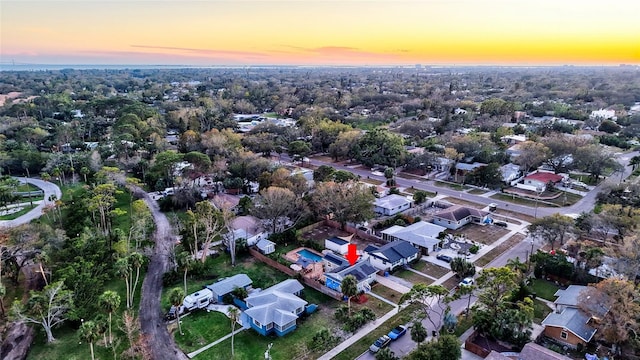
x,y
539,191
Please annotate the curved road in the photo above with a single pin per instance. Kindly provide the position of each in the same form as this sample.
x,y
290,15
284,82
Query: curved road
x,y
49,190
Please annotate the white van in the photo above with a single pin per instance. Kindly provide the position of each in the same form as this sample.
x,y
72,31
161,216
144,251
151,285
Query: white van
x,y
198,300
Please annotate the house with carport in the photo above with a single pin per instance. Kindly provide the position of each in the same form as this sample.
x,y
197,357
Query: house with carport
x,y
227,285
423,235
275,310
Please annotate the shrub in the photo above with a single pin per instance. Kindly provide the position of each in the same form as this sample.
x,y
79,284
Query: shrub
x,y
474,249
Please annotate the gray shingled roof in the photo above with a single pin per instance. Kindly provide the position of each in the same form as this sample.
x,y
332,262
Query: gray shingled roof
x,y
569,296
395,251
573,320
359,270
276,304
458,212
226,286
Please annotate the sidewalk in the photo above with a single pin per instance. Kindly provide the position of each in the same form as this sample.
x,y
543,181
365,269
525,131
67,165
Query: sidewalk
x,y
359,335
191,355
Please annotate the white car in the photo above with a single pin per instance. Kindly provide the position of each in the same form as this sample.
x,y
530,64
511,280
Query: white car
x,y
466,282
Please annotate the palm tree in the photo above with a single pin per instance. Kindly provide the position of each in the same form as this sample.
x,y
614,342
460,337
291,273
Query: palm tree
x,y
85,171
136,260
176,296
41,258
123,268
349,287
634,162
418,332
89,333
109,301
102,326
517,266
185,261
234,315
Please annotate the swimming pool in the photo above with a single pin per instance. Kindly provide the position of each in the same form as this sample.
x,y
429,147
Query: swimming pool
x,y
309,255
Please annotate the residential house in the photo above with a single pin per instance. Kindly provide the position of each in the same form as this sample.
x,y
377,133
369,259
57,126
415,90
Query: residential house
x,y
538,181
275,310
462,169
247,227
265,246
391,204
569,325
422,235
332,262
510,172
227,285
337,245
392,255
513,139
530,351
457,216
363,271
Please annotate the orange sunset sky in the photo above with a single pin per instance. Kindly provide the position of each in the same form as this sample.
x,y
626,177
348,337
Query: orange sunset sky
x,y
320,32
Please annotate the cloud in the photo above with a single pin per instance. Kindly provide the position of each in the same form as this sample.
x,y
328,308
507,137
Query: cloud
x,y
208,52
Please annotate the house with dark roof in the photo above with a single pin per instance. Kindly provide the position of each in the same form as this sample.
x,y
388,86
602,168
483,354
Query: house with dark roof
x,y
462,169
457,216
530,351
391,204
332,262
275,310
363,271
227,285
392,255
422,235
569,325
539,180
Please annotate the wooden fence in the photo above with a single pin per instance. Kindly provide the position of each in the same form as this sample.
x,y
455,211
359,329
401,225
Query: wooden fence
x,y
475,348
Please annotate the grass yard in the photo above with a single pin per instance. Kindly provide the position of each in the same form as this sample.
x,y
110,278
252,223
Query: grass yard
x,y
412,190
405,316
495,252
376,305
544,289
430,268
566,199
464,323
540,311
453,186
201,328
412,277
483,234
451,282
372,181
475,191
386,293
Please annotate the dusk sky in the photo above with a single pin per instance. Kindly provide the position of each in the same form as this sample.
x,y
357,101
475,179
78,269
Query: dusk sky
x,y
320,32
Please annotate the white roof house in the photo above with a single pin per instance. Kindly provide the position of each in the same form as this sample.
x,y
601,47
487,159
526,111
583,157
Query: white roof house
x,y
421,234
391,204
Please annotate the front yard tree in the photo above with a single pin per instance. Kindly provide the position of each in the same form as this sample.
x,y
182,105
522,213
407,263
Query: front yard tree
x,y
136,260
386,354
434,300
47,308
276,204
462,268
204,225
102,201
418,332
123,269
176,296
110,301
532,154
552,229
234,315
89,333
349,288
616,304
343,202
298,150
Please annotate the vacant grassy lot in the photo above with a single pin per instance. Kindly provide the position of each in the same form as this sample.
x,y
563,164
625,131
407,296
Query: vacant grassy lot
x,y
540,311
495,252
412,277
403,317
544,289
430,268
386,293
483,234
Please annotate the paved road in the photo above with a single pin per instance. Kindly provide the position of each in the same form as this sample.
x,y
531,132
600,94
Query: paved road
x,y
405,345
584,205
49,190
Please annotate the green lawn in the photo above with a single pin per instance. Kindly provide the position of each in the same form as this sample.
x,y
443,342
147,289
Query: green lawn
x,y
544,289
403,317
201,328
412,277
464,323
540,311
477,191
430,268
450,185
386,293
566,199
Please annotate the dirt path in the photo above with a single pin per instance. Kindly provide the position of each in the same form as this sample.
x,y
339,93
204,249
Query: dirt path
x,y
160,343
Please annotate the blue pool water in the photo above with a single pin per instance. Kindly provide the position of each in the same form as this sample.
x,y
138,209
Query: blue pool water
x,y
309,255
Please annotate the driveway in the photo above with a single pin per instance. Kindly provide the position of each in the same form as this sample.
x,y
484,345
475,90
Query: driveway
x,y
50,189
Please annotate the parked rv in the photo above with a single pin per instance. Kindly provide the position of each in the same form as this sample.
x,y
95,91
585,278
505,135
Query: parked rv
x,y
198,300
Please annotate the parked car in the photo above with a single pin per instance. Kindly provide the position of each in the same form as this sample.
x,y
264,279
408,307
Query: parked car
x,y
397,332
493,207
382,341
466,282
445,258
500,223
